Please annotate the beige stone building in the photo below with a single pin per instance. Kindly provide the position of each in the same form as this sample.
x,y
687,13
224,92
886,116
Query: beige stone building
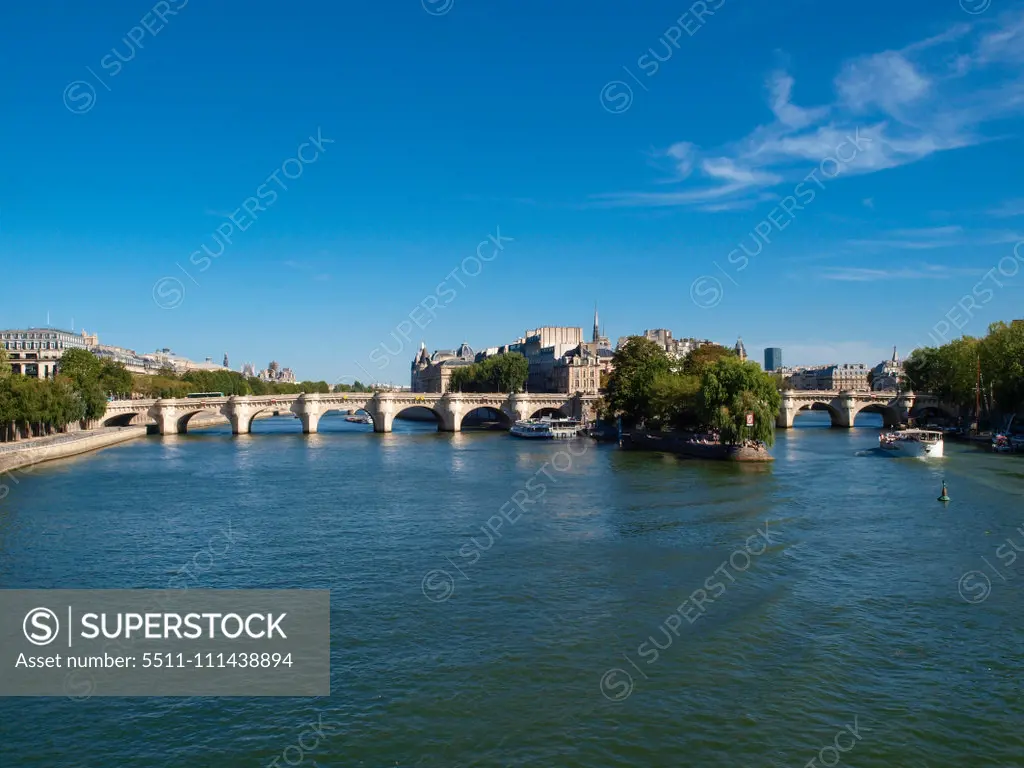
x,y
580,369
431,373
676,348
35,352
847,376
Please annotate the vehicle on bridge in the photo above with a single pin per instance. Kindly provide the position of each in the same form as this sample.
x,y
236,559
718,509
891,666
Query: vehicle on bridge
x,y
194,395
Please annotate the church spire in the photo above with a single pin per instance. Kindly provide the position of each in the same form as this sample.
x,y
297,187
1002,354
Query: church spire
x,y
597,330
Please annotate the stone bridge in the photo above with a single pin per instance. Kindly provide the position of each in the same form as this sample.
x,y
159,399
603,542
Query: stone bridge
x,y
896,407
173,415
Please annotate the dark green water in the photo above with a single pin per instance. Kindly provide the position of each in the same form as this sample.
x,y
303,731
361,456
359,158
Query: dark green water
x,y
846,622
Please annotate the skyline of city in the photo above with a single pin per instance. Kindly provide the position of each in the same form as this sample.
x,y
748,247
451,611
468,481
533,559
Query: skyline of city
x,y
675,346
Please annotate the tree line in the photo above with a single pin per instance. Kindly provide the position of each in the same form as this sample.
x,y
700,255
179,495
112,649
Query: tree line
x,y
167,383
498,373
31,407
710,390
951,371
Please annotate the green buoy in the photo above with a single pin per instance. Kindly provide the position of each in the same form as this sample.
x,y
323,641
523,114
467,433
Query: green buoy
x,y
945,493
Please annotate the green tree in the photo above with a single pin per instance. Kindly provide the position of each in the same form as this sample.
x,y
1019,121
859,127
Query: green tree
x,y
508,372
356,386
949,372
731,389
115,379
5,364
1002,363
703,358
84,370
80,366
636,365
674,400
498,373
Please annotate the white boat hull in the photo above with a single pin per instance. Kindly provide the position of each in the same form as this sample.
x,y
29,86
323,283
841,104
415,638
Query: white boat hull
x,y
546,429
915,449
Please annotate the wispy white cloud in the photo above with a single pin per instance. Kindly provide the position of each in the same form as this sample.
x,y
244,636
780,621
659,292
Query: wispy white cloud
x,y
884,80
1009,209
780,86
929,238
933,95
875,274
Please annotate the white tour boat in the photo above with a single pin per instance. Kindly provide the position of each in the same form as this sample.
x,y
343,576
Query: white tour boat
x,y
922,443
546,429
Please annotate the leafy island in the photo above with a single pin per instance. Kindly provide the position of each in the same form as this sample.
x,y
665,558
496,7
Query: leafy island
x,y
711,392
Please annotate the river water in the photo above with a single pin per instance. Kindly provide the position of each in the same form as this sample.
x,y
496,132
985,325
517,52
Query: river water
x,y
646,611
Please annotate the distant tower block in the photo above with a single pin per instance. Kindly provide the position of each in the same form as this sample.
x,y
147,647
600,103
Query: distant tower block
x,y
226,363
772,358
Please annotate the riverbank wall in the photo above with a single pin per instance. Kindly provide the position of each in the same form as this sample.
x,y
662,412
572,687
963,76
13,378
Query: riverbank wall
x,y
64,446
28,453
681,445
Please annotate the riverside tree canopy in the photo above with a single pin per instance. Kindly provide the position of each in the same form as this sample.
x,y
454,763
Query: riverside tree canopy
x,y
711,389
498,373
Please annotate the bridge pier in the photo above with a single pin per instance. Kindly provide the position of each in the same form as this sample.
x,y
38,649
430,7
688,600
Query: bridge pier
x,y
240,415
167,421
451,411
785,418
383,420
310,423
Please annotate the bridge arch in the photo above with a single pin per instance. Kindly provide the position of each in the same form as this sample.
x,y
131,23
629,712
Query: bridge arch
x,y
549,410
835,417
132,418
488,413
415,408
891,415
248,418
184,419
346,409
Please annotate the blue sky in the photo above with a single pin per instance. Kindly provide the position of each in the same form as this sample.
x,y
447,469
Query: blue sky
x,y
648,158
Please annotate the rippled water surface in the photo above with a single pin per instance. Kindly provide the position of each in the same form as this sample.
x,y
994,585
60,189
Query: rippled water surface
x,y
645,611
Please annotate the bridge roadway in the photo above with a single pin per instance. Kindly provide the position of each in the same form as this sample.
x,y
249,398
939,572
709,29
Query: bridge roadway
x,y
172,415
843,407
